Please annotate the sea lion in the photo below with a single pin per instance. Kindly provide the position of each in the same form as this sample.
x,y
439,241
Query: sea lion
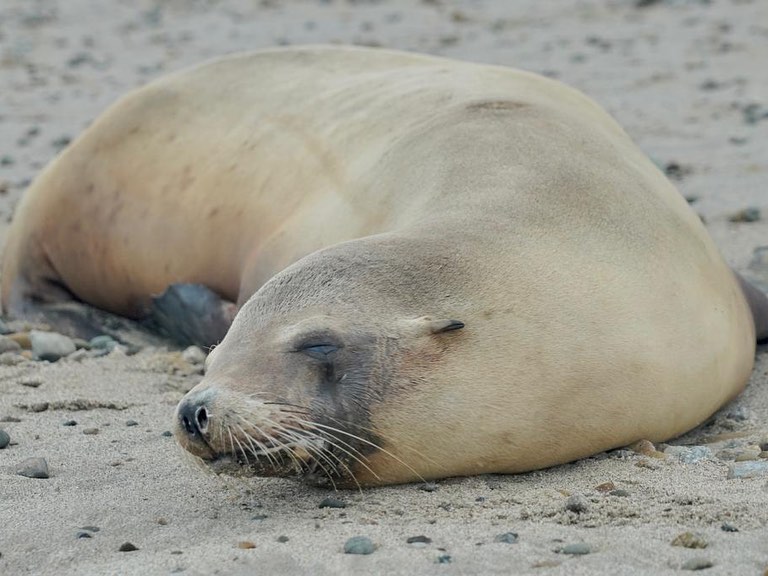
x,y
441,268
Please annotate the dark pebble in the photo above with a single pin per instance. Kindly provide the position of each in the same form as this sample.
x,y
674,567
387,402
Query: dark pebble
x,y
167,434
697,564
39,407
61,142
283,539
359,545
577,503
81,535
7,161
726,527
443,559
10,419
131,423
332,503
419,540
506,538
69,423
751,214
621,493
33,468
5,439
90,431
127,547
428,487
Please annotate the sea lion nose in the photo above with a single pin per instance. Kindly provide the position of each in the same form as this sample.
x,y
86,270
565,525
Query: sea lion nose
x,y
193,419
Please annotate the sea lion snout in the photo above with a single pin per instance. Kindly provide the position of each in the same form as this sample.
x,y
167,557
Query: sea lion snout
x,y
193,419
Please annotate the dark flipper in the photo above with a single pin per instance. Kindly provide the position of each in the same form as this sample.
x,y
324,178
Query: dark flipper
x,y
754,284
190,314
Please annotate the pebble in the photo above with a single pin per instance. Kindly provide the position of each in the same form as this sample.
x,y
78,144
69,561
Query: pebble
x,y
690,540
620,493
31,382
259,517
22,339
726,527
11,359
127,547
506,538
751,214
10,419
577,549
246,545
194,355
39,407
5,439
131,423
697,564
646,448
102,343
577,503
605,487
90,431
33,468
167,434
332,503
69,423
359,545
8,345
81,535
689,454
429,487
419,541
50,345
283,539
751,469
443,559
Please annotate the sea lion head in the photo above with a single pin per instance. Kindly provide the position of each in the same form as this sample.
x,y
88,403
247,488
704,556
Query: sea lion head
x,y
299,385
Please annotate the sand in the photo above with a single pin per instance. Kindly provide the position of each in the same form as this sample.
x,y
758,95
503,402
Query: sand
x,y
679,75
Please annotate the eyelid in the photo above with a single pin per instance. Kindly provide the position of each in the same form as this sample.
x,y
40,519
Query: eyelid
x,y
318,351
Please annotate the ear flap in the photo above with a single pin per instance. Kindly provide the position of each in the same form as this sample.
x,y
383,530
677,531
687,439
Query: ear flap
x,y
444,325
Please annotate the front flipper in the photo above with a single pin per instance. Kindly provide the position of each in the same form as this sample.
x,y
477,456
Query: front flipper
x,y
190,314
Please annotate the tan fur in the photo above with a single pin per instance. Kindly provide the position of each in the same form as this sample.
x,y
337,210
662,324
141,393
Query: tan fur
x,y
597,309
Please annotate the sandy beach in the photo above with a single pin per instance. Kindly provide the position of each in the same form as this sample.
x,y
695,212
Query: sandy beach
x,y
689,82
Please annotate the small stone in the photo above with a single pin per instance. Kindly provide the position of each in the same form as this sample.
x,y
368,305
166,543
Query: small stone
x,y
697,564
506,538
332,503
689,454
646,448
31,382
81,344
130,423
429,487
443,559
690,540
69,423
750,214
50,346
751,469
359,545
81,535
5,438
739,414
38,407
61,142
605,487
8,345
419,541
33,468
193,355
127,547
7,160
102,342
22,339
577,549
283,539
10,419
90,431
11,359
726,527
620,493
246,545
162,521
167,434
577,503
259,517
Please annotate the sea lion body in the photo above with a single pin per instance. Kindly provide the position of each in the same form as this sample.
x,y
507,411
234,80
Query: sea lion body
x,y
353,202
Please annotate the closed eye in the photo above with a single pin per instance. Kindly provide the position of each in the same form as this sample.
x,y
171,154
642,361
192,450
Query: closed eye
x,y
319,351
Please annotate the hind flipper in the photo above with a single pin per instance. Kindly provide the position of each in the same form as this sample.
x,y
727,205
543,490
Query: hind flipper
x,y
754,285
190,314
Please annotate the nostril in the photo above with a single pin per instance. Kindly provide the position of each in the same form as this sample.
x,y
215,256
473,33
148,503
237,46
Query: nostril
x,y
188,425
201,419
